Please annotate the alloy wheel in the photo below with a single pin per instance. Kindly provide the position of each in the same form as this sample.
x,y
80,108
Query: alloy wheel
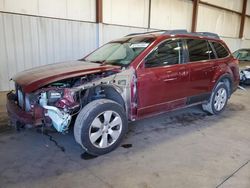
x,y
105,129
220,99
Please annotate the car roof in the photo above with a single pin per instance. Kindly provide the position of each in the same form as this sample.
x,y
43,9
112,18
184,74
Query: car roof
x,y
177,33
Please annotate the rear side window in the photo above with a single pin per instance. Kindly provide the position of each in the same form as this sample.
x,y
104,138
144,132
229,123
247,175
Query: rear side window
x,y
199,50
220,50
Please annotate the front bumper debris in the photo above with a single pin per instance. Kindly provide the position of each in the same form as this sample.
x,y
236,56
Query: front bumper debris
x,y
18,115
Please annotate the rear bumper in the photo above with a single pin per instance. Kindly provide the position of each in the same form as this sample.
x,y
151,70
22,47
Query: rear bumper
x,y
18,115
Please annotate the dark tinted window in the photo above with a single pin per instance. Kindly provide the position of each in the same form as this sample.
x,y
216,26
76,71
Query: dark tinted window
x,y
167,53
210,52
220,50
199,50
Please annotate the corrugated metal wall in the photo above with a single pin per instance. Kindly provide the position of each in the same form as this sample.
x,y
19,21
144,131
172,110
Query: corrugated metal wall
x,y
82,10
110,32
61,30
126,12
171,14
27,41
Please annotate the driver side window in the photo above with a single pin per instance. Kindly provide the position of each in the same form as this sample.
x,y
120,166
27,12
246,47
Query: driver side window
x,y
167,53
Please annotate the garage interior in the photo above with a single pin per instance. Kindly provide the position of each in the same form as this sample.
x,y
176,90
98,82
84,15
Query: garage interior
x,y
184,148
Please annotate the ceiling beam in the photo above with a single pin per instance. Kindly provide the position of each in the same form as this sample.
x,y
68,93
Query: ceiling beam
x,y
99,13
195,15
243,17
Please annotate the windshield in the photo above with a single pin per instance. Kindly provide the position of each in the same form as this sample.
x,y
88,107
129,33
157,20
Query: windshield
x,y
242,55
121,52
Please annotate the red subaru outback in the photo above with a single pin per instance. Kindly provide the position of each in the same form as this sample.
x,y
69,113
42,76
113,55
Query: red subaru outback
x,y
137,76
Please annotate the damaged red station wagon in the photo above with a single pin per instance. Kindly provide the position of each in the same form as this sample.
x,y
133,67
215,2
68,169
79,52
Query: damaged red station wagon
x,y
137,76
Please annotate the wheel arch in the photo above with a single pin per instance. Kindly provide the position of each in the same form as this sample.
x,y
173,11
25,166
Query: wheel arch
x,y
228,80
105,92
112,93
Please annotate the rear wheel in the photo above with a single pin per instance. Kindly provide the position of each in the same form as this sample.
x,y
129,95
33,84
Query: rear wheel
x,y
100,126
218,99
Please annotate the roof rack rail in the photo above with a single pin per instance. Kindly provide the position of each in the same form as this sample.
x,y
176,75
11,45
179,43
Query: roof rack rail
x,y
179,31
148,32
208,34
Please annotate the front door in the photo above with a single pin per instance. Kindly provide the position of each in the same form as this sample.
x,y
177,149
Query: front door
x,y
163,79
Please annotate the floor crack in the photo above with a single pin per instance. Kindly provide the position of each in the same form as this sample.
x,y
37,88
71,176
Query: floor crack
x,y
231,175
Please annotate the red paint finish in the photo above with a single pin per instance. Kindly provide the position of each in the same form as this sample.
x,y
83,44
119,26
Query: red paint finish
x,y
158,86
201,75
163,89
67,100
35,78
227,66
155,90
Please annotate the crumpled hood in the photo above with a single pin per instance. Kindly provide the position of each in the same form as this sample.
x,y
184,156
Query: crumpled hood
x,y
34,78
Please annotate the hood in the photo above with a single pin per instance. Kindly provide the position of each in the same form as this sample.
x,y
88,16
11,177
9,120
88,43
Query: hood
x,y
34,78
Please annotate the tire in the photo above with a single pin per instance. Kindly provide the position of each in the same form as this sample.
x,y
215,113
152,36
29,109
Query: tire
x,y
218,99
100,126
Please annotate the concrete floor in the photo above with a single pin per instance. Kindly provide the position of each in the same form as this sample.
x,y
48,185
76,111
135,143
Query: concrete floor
x,y
186,148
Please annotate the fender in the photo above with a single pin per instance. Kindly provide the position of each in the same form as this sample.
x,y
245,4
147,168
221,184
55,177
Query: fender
x,y
225,76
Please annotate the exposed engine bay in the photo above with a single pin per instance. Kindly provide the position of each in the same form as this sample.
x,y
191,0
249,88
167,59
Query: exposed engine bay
x,y
61,100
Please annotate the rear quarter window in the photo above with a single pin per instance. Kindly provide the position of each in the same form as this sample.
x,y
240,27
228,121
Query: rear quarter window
x,y
221,51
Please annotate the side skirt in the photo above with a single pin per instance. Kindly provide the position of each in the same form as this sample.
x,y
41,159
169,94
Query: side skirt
x,y
198,98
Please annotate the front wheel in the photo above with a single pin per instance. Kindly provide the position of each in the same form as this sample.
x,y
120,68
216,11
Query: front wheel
x,y
100,126
218,99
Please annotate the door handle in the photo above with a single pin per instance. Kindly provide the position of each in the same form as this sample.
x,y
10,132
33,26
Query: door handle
x,y
183,73
170,79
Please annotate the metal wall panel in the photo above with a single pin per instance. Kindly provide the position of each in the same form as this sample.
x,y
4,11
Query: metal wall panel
x,y
244,44
128,12
27,42
248,8
230,4
66,9
218,21
110,32
169,14
232,43
247,28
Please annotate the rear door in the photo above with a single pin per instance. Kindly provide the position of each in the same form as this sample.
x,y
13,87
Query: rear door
x,y
163,79
202,67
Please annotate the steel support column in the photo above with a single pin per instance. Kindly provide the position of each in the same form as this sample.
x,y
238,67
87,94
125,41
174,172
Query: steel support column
x,y
195,14
243,17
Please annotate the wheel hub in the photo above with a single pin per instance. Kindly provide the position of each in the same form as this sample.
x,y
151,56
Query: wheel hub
x,y
220,99
105,129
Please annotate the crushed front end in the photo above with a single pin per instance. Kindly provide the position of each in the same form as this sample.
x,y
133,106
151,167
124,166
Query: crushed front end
x,y
52,105
56,103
